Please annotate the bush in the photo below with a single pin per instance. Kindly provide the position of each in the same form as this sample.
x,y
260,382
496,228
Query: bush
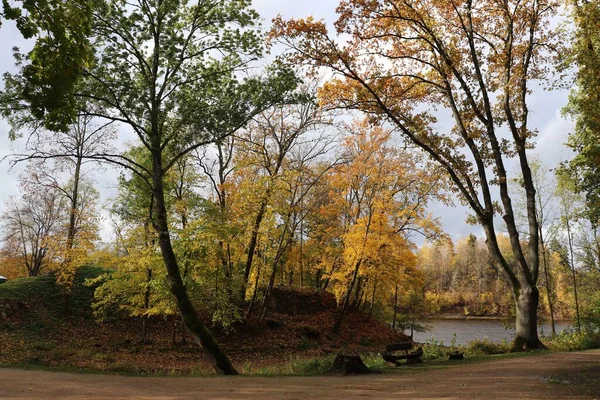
x,y
484,347
569,340
591,314
433,350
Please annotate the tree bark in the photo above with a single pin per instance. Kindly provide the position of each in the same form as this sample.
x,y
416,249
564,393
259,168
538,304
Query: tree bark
x,y
197,329
574,276
548,282
146,305
395,307
526,302
252,244
346,301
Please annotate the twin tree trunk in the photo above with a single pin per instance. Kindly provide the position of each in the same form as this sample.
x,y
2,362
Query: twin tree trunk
x,y
527,299
196,328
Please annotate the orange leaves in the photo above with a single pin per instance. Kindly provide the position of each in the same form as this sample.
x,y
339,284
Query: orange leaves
x,y
297,27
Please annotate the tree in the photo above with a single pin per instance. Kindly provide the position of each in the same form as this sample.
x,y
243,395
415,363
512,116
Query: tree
x,y
136,284
69,151
584,100
545,188
168,70
53,68
279,144
29,224
378,195
476,60
569,201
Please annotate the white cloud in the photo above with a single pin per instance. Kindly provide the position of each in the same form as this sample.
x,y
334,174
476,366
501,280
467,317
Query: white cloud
x,y
545,115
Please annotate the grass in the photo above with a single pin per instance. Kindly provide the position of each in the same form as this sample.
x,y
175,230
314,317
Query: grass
x,y
44,299
43,290
24,289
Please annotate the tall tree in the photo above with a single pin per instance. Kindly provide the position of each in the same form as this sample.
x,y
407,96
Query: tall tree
x,y
269,140
477,60
545,187
167,69
569,202
377,196
68,152
584,100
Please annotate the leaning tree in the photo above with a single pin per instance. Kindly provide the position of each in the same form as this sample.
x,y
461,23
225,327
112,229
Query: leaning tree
x,y
409,62
176,74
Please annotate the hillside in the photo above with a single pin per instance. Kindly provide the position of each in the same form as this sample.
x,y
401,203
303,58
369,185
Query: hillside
x,y
34,331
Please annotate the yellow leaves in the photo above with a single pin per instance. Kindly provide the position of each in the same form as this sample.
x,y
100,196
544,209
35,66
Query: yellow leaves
x,y
375,194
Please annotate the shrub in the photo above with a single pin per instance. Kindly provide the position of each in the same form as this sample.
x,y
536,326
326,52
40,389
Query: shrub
x,y
569,340
433,350
483,347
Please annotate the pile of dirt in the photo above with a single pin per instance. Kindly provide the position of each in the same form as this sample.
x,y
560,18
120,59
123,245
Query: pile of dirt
x,y
299,324
298,301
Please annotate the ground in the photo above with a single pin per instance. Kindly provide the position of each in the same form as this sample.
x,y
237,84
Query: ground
x,y
547,376
298,326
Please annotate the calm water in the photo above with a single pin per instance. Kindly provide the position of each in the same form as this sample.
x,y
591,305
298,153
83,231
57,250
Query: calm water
x,y
467,330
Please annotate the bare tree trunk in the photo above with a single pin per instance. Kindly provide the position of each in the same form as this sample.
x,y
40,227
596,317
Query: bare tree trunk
x,y
174,331
395,307
548,282
373,299
346,300
146,305
253,241
254,294
526,301
301,252
358,294
572,261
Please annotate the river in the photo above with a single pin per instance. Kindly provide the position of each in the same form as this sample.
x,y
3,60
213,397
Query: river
x,y
467,330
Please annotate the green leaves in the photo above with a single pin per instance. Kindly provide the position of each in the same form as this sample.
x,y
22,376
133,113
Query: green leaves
x,y
584,100
47,80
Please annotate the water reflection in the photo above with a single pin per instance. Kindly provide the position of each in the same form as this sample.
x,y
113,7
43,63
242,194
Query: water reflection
x,y
467,330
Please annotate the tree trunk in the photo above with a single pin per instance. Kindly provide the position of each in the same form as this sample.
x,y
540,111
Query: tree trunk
x,y
574,276
146,305
197,329
254,294
71,232
526,303
174,331
346,300
548,282
253,243
372,299
301,252
395,307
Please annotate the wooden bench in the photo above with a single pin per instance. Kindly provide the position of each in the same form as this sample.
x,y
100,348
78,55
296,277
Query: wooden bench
x,y
411,357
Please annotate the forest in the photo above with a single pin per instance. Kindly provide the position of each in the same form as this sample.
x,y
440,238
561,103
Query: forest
x,y
263,164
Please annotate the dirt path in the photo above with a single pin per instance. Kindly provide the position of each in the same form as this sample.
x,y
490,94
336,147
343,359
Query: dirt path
x,y
551,376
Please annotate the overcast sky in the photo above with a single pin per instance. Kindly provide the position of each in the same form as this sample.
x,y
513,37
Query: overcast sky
x,y
544,107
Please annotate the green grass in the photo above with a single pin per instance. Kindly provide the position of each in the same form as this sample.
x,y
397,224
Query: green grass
x,y
23,289
45,293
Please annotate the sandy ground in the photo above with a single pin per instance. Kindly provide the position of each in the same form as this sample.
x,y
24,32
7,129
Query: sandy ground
x,y
550,376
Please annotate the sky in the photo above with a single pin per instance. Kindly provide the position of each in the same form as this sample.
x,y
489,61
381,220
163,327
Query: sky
x,y
545,115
